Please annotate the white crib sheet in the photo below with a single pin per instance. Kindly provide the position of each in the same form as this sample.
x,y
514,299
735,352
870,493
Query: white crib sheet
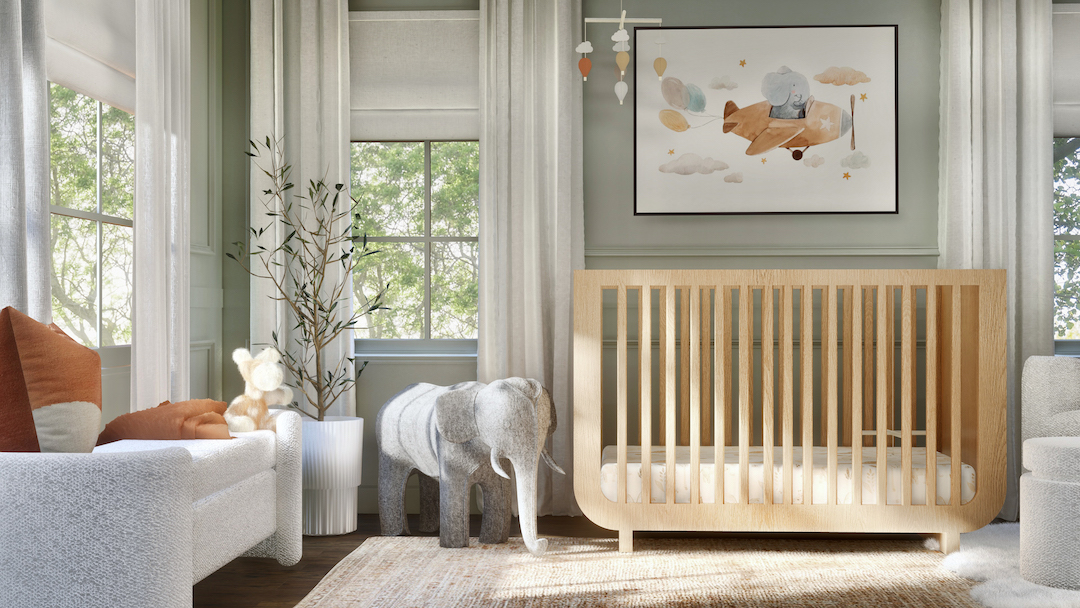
x,y
609,475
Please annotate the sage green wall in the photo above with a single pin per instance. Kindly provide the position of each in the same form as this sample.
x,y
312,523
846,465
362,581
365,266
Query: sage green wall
x,y
235,86
615,238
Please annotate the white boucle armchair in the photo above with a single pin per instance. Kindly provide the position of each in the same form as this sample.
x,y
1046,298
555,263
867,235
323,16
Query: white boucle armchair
x,y
137,523
1050,400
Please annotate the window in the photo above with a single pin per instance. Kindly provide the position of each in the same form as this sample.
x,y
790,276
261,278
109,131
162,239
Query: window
x,y
419,205
92,185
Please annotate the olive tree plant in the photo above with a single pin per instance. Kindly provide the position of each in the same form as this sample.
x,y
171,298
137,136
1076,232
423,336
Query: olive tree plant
x,y
310,269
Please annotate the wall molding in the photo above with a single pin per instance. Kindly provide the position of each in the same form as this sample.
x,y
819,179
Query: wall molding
x,y
764,252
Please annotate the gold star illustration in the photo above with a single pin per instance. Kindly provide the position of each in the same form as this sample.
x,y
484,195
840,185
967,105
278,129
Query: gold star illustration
x,y
847,175
862,96
763,160
671,151
742,63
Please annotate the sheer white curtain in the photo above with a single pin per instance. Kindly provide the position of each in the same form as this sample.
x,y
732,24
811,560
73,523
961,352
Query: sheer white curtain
x,y
160,337
531,220
24,160
299,94
996,191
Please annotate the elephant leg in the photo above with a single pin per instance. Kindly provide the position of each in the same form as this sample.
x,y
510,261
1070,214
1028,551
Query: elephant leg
x,y
495,526
393,475
429,504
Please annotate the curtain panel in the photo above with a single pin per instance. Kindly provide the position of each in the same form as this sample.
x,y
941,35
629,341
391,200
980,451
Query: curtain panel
x,y
531,219
160,337
996,189
24,161
300,97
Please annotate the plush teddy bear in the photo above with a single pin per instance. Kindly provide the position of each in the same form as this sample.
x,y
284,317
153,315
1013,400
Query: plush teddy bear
x,y
263,378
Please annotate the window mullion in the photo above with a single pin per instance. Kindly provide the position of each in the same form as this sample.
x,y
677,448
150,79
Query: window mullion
x,y
100,235
427,240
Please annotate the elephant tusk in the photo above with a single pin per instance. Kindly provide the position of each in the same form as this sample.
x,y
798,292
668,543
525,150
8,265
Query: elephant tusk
x,y
495,464
551,462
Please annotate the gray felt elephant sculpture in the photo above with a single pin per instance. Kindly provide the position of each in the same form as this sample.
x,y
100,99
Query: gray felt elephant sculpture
x,y
459,436
787,91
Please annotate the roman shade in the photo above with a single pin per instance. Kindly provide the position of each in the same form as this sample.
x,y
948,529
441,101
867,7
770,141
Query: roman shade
x,y
91,48
1066,70
415,75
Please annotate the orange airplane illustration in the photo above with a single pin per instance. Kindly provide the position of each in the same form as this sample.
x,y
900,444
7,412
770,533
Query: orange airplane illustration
x,y
823,122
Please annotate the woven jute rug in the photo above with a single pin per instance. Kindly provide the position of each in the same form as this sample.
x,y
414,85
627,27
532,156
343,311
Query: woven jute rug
x,y
415,571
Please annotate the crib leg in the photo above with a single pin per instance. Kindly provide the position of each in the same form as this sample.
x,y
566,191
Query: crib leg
x,y
949,542
626,540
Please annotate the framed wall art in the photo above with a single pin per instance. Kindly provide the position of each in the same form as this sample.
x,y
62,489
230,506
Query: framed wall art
x,y
747,120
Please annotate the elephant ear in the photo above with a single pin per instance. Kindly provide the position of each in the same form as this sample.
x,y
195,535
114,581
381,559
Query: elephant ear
x,y
454,415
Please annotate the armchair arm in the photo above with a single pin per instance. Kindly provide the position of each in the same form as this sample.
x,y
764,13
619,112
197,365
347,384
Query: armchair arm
x,y
1050,389
96,529
286,544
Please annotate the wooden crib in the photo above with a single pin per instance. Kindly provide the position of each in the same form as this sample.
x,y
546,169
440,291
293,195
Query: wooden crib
x,y
912,360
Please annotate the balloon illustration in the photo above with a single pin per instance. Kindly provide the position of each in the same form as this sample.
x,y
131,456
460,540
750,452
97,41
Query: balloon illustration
x,y
584,65
660,65
620,91
673,120
695,98
622,59
674,92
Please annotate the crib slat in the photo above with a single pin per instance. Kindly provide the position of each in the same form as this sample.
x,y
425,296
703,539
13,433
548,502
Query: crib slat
x,y
856,393
868,363
684,369
890,356
728,337
669,389
907,388
931,395
722,387
829,293
645,390
620,391
823,432
706,370
787,386
662,392
806,411
955,400
845,432
746,373
883,369
767,431
695,393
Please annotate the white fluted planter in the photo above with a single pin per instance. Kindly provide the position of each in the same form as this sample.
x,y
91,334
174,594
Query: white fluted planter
x,y
333,454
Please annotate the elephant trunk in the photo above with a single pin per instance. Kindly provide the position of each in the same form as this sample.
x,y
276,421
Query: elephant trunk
x,y
525,472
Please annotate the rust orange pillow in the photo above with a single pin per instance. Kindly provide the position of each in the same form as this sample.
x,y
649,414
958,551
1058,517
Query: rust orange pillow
x,y
57,377
17,432
193,419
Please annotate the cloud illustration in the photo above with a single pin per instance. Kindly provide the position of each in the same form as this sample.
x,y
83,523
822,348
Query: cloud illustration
x,y
857,160
840,76
584,47
620,36
733,178
814,161
724,82
691,163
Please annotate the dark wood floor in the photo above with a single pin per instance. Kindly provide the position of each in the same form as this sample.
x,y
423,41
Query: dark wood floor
x,y
249,582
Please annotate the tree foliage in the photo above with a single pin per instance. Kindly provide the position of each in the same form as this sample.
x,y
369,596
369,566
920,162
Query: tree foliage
x,y
74,175
389,183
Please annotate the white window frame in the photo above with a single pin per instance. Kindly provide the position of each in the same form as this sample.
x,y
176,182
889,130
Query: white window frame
x,y
116,352
413,348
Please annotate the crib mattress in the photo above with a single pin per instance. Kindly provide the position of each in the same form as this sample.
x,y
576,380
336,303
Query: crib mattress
x,y
609,475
